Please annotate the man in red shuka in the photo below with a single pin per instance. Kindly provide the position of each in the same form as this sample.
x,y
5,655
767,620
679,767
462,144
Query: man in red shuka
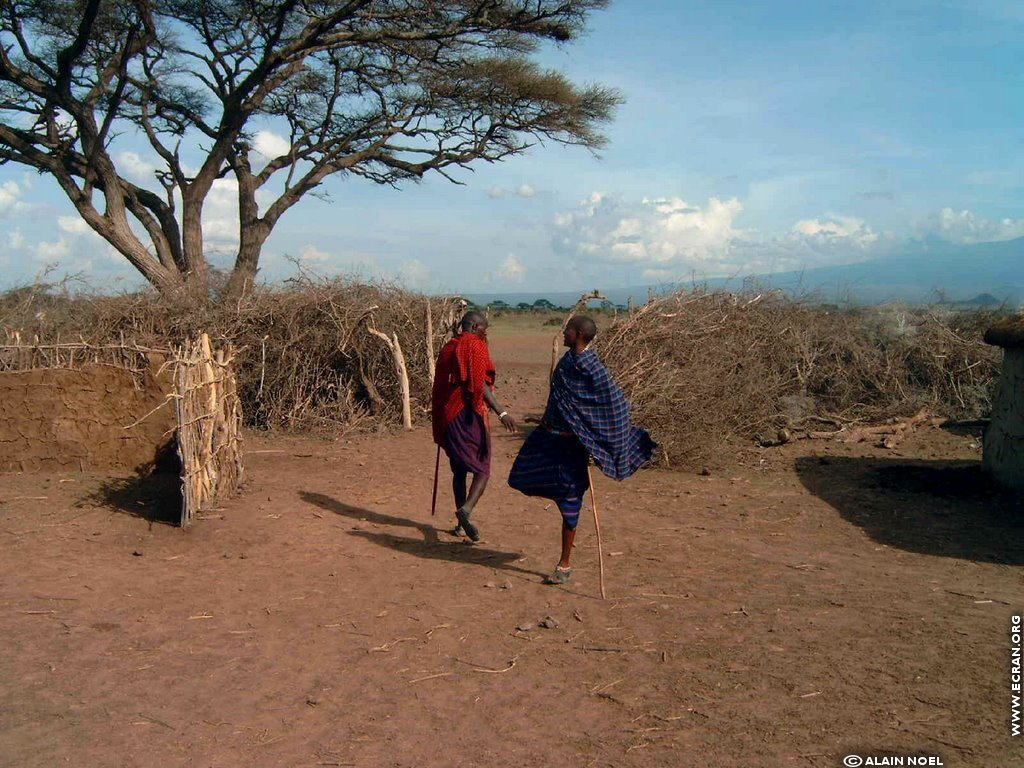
x,y
462,395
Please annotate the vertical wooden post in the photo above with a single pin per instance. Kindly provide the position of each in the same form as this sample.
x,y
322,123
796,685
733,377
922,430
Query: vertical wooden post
x,y
597,525
430,345
403,383
400,369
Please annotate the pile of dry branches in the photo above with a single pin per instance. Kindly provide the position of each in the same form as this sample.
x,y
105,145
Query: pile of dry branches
x,y
707,371
306,355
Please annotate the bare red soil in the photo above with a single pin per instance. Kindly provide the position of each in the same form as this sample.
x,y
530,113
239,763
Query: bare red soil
x,y
813,601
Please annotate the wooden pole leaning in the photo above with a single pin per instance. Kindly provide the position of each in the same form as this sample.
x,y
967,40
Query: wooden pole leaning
x,y
597,525
437,469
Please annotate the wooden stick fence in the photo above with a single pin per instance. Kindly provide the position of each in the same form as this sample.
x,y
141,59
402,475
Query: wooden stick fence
x,y
20,354
209,426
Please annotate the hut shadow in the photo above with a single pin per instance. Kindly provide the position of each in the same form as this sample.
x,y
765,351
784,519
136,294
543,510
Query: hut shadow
x,y
154,493
155,497
430,547
941,508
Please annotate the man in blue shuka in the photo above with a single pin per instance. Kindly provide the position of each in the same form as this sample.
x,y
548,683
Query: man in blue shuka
x,y
587,416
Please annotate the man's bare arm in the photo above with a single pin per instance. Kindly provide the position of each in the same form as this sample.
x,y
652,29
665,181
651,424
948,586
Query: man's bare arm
x,y
503,415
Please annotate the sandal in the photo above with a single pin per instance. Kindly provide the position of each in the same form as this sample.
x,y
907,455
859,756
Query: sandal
x,y
471,530
560,576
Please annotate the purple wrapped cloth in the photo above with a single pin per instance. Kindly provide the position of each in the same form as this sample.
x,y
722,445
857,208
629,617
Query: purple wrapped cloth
x,y
468,443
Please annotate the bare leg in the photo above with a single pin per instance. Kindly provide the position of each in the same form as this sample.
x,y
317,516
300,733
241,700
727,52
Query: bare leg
x,y
568,536
476,490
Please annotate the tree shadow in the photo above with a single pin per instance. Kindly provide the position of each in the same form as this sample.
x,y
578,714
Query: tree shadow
x,y
941,508
431,547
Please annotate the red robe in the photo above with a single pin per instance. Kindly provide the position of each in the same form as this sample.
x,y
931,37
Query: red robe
x,y
464,366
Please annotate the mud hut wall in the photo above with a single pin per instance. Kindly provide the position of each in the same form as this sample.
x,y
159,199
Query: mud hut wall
x,y
1003,457
75,420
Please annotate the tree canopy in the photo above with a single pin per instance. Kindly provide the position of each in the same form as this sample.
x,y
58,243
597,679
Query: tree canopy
x,y
387,90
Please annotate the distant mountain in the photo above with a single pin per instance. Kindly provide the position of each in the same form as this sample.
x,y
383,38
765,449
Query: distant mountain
x,y
927,270
982,300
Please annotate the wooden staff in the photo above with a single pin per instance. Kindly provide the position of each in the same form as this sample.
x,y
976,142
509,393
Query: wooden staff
x,y
597,524
437,469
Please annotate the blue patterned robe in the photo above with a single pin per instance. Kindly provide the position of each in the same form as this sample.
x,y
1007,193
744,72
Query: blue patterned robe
x,y
587,415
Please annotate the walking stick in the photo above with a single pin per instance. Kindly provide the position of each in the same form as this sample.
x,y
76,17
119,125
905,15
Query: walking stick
x,y
437,468
597,524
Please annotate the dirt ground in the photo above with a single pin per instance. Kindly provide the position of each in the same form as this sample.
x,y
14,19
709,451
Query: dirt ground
x,y
811,602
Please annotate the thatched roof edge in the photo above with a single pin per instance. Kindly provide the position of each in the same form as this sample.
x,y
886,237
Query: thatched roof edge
x,y
1007,333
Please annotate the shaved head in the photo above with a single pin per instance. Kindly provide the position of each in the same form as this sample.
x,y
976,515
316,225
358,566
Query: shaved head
x,y
472,319
585,327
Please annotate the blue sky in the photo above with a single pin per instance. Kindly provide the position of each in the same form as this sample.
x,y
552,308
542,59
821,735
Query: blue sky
x,y
756,137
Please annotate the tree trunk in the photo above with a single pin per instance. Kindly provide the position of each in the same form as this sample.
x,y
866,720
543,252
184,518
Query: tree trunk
x,y
253,232
243,275
192,240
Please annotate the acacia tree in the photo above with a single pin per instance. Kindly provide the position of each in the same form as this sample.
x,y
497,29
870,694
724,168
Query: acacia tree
x,y
387,90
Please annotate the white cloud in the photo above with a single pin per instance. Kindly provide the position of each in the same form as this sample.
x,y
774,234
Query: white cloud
x,y
270,144
667,238
511,270
54,251
413,273
837,228
10,199
661,233
74,225
523,190
135,167
314,254
833,239
967,227
220,216
16,240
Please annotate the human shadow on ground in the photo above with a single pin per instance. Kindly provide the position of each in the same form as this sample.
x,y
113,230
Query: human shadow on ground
x,y
941,508
430,547
358,513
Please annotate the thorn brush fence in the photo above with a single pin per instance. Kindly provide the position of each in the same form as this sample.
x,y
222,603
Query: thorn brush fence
x,y
302,355
708,372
